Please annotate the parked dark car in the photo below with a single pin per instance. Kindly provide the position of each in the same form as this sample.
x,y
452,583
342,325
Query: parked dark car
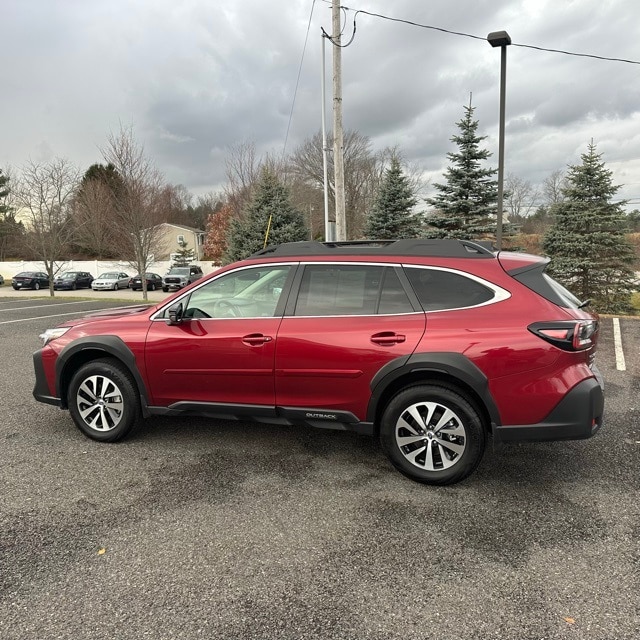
x,y
433,346
154,281
73,280
1,281
30,280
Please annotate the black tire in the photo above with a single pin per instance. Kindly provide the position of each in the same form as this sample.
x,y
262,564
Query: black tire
x,y
103,400
115,286
152,287
165,289
432,434
36,286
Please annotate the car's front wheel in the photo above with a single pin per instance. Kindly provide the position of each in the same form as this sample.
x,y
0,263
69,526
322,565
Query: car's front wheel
x,y
103,400
432,434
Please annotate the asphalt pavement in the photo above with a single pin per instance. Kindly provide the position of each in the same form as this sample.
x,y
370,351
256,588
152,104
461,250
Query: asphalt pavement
x,y
196,528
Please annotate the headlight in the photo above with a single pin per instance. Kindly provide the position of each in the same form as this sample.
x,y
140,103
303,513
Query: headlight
x,y
52,334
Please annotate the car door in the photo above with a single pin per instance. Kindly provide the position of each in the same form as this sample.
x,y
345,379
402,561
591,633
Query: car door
x,y
223,351
347,322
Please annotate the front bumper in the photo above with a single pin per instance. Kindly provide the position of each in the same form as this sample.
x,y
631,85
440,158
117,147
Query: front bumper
x,y
41,389
174,285
579,415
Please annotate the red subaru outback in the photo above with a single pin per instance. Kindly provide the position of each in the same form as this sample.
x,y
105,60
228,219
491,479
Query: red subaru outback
x,y
431,345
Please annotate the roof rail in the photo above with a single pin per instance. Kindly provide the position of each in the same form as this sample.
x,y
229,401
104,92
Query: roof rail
x,y
444,247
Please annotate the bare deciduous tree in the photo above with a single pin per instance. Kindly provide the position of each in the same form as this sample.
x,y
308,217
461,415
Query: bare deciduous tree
x,y
43,193
243,172
553,188
363,171
521,197
140,204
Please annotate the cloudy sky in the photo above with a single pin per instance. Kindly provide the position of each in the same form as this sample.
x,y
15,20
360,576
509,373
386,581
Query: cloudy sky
x,y
196,76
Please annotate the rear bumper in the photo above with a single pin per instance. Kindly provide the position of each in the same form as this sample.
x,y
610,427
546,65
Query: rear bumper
x,y
578,416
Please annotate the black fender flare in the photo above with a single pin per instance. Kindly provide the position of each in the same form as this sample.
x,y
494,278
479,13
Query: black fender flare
x,y
450,365
110,345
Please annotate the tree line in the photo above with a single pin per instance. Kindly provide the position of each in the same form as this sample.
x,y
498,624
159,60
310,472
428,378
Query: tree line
x,y
50,211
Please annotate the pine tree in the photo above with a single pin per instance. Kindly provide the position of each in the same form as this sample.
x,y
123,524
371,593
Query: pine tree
x,y
590,253
465,206
391,215
269,215
10,229
184,256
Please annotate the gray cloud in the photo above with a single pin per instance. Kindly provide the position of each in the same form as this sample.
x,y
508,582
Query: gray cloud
x,y
194,78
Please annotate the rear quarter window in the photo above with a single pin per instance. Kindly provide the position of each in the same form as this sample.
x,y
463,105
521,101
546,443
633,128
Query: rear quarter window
x,y
440,289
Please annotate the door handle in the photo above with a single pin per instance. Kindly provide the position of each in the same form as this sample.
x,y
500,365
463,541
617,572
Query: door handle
x,y
387,338
256,339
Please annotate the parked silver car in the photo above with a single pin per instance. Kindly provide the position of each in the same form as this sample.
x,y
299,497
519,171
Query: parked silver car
x,y
113,280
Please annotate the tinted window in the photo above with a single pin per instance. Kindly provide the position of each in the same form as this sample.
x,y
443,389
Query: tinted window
x,y
437,289
336,290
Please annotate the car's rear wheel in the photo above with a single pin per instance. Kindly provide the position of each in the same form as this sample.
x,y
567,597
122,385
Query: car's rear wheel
x,y
36,286
103,400
432,434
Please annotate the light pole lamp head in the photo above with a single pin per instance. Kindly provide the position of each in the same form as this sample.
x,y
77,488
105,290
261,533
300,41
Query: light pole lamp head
x,y
499,39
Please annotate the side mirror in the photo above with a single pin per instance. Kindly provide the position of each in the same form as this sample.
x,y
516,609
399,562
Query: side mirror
x,y
176,313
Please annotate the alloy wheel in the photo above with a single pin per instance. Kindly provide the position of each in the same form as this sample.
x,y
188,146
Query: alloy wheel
x,y
100,403
430,436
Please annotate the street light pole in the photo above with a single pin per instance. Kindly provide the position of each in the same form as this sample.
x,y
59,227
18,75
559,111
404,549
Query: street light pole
x,y
501,39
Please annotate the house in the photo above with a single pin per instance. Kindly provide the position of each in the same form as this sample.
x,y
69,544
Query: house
x,y
173,237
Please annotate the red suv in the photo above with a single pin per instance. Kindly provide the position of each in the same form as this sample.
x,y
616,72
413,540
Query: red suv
x,y
431,345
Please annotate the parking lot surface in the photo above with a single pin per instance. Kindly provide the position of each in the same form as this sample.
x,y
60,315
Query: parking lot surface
x,y
196,528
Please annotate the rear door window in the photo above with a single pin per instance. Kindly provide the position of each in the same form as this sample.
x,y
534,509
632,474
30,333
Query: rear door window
x,y
351,290
440,289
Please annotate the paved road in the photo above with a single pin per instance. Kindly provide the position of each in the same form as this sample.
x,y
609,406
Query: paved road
x,y
208,529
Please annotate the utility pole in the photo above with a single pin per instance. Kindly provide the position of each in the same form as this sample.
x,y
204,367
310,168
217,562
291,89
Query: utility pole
x,y
338,138
329,225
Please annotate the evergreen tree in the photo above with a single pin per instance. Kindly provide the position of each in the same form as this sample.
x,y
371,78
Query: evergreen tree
x,y
465,206
587,243
11,231
391,215
184,256
4,192
269,215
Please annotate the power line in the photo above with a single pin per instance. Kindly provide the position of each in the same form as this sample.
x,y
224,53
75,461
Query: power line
x,y
469,35
295,92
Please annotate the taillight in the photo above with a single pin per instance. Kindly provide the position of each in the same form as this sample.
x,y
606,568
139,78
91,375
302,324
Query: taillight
x,y
570,335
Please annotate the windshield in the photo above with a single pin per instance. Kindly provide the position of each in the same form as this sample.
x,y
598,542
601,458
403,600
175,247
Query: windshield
x,y
109,276
69,275
179,271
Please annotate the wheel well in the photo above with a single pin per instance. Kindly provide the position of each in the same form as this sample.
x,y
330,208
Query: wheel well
x,y
76,361
416,378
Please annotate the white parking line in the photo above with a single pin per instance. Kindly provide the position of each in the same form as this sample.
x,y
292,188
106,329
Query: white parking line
x,y
56,315
621,365
55,304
